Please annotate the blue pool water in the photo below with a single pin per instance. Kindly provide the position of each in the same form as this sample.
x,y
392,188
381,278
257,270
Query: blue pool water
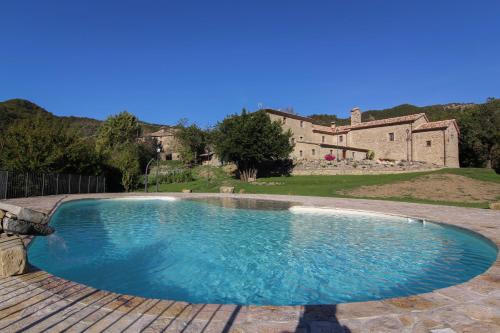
x,y
250,252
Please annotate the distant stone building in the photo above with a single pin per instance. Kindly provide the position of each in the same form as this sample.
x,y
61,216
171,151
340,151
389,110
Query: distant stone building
x,y
409,138
169,145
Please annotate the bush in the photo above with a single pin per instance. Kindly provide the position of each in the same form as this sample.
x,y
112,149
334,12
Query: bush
x,y
174,176
275,168
370,155
495,159
330,157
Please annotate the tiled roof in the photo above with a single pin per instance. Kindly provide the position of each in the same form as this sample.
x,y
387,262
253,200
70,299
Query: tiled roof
x,y
341,129
389,121
162,132
321,128
288,115
374,123
435,125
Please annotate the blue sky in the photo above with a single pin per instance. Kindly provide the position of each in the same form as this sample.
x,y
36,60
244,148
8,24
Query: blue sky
x,y
202,60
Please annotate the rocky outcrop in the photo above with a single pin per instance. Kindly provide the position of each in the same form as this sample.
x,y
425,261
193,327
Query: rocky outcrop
x,y
226,189
16,221
23,221
495,205
22,213
21,227
12,256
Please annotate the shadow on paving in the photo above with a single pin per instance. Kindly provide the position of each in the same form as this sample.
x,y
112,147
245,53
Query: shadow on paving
x,y
87,311
320,318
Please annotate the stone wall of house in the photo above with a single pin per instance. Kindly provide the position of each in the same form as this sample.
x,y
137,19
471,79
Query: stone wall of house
x,y
433,146
377,139
302,129
332,139
428,147
406,144
170,147
307,142
338,153
452,154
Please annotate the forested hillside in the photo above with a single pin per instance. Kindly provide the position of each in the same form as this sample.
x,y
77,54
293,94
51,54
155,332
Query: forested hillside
x,y
17,109
433,112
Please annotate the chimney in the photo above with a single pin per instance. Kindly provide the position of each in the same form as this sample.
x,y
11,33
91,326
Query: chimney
x,y
355,116
332,125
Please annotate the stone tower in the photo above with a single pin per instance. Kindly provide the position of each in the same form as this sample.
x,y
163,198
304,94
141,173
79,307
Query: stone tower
x,y
355,116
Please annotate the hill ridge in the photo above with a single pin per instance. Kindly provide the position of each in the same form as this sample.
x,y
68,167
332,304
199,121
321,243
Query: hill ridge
x,y
19,108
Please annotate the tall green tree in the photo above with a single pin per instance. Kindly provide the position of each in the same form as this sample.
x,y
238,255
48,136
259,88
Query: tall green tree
x,y
249,140
480,135
43,144
117,130
193,142
127,160
118,143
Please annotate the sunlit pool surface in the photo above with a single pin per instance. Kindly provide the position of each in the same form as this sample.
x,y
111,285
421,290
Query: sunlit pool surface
x,y
253,252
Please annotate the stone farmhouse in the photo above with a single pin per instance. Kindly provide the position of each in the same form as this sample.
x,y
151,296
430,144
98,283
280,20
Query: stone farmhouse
x,y
169,145
407,138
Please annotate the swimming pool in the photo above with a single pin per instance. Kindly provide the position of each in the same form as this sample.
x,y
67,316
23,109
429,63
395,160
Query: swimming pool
x,y
254,252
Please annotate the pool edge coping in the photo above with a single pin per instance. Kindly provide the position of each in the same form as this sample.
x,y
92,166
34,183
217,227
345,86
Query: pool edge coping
x,y
478,288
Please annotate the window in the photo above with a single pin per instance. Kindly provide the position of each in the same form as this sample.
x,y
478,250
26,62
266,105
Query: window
x,y
293,141
313,152
301,123
352,155
301,137
341,138
284,120
322,139
300,153
429,143
331,152
391,136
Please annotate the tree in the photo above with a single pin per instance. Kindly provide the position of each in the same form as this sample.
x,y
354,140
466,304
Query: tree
x,y
117,142
126,160
45,145
480,135
250,139
116,130
495,163
193,141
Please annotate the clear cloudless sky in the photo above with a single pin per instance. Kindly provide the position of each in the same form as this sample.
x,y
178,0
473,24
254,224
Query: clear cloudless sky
x,y
201,60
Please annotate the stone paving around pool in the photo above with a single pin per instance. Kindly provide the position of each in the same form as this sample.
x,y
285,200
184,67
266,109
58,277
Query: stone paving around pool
x,y
40,302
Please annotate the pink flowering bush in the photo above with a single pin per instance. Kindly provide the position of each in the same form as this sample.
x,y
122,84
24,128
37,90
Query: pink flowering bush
x,y
330,157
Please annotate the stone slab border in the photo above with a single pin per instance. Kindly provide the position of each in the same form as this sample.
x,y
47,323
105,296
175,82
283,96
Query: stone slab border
x,y
470,306
23,213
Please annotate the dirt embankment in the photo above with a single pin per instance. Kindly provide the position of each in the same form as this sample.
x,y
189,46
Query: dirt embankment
x,y
442,187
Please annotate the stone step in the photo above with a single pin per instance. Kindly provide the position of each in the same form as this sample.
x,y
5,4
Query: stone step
x,y
12,256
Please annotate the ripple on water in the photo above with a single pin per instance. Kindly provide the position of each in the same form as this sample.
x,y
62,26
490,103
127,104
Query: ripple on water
x,y
254,252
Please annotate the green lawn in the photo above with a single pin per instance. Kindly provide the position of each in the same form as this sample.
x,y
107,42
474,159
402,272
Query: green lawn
x,y
326,186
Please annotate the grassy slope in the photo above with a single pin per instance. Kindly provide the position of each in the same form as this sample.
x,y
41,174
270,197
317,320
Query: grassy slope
x,y
323,185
